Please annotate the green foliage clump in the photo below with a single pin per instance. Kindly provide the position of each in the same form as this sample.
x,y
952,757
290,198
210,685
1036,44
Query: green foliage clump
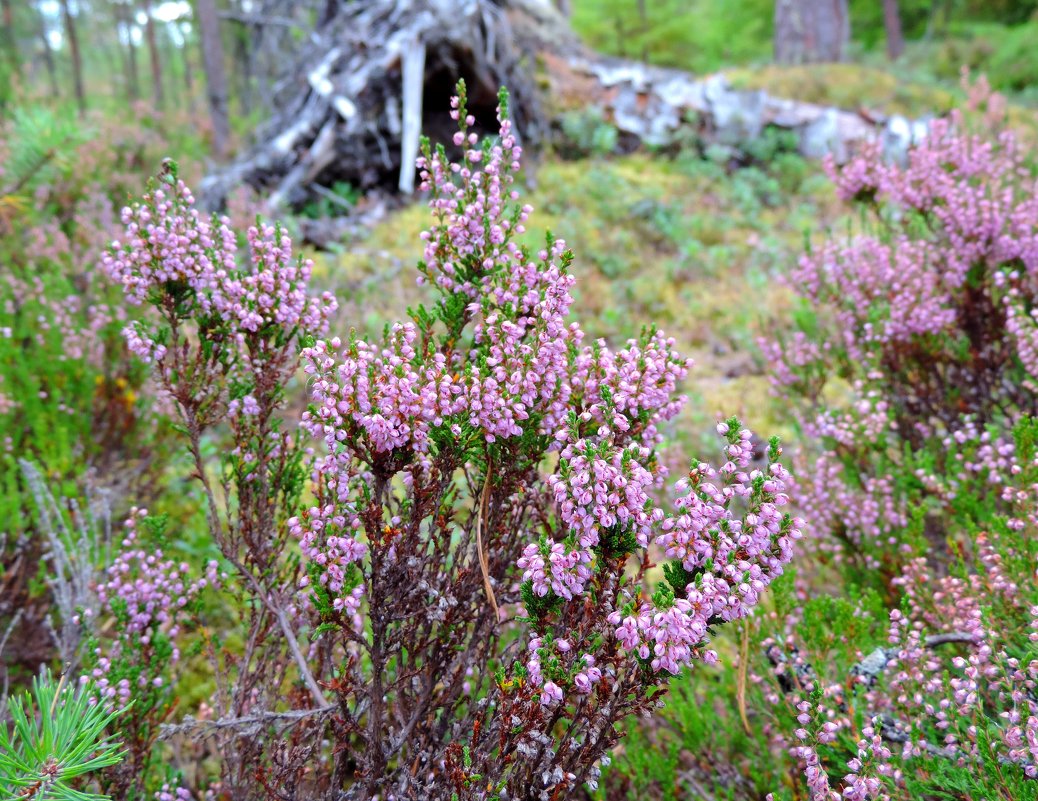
x,y
700,36
57,738
587,133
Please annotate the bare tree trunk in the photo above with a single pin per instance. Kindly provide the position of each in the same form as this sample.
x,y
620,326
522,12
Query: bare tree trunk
x,y
168,56
153,51
109,52
131,52
48,55
189,73
215,74
892,24
811,31
77,61
117,20
243,60
9,37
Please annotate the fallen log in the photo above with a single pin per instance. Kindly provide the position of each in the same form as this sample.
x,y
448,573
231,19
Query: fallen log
x,y
376,75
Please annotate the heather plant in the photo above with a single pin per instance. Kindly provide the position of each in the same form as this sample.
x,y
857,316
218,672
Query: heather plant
x,y
441,579
914,334
942,702
71,398
222,340
144,601
912,377
900,663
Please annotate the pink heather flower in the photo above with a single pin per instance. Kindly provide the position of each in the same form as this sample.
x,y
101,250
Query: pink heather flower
x,y
168,242
151,594
169,248
551,693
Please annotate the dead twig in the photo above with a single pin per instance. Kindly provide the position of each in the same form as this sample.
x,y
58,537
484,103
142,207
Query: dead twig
x,y
484,563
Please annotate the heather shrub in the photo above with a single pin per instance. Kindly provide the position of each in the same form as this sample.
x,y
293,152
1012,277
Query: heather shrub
x,y
910,359
71,397
899,662
938,701
439,582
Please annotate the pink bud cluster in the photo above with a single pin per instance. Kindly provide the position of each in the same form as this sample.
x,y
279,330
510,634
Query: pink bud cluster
x,y
585,673
599,488
727,532
167,241
706,533
475,224
173,792
170,248
274,291
149,596
329,539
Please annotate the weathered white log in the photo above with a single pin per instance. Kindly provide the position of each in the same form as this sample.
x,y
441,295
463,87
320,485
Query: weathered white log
x,y
653,104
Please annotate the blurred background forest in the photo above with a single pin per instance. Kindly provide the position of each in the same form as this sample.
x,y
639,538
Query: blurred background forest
x,y
103,54
209,82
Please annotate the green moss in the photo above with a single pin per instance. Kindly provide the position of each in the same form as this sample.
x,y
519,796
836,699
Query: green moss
x,y
847,86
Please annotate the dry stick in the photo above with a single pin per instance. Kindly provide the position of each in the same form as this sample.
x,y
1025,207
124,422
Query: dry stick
x,y
277,611
297,654
11,626
207,728
484,563
215,526
59,690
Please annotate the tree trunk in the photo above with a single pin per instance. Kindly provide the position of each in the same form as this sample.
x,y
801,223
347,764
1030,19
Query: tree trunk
x,y
243,66
168,56
153,51
48,55
131,52
109,51
215,74
117,26
10,39
77,62
189,73
811,31
892,24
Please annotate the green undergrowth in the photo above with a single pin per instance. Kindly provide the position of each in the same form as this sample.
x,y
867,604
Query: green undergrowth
x,y
849,86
